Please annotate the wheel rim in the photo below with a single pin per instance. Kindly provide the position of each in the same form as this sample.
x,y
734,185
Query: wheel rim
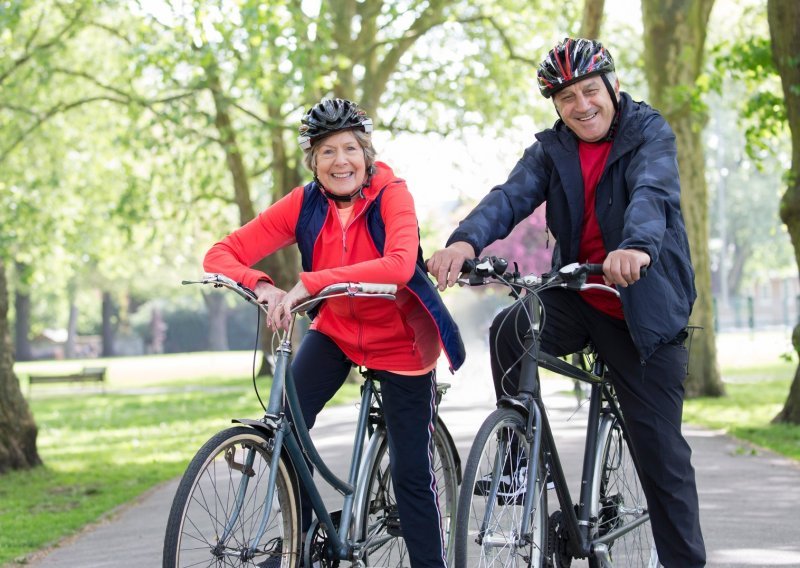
x,y
382,517
492,533
622,501
210,509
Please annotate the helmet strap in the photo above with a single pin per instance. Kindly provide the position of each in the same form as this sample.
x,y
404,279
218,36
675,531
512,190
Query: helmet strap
x,y
612,130
347,198
611,92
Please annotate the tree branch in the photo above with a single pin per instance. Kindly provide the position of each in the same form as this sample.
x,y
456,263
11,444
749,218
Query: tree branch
x,y
264,121
57,109
508,45
111,31
23,59
133,98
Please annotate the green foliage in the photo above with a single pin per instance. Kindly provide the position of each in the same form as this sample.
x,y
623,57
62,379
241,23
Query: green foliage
x,y
118,116
747,61
187,325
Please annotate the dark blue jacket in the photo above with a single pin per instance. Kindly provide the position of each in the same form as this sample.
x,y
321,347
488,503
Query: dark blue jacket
x,y
309,224
637,205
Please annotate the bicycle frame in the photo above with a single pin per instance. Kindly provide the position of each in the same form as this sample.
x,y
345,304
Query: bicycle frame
x,y
294,437
539,434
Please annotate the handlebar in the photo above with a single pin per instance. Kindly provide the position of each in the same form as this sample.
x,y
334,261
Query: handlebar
x,y
572,276
351,289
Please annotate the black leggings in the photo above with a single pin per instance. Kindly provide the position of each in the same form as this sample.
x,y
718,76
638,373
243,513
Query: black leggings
x,y
319,370
650,395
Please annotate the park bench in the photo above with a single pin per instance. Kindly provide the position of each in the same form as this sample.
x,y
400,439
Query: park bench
x,y
87,374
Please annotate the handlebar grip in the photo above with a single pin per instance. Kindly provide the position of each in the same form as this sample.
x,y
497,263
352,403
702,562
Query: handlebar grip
x,y
369,288
598,269
469,265
595,269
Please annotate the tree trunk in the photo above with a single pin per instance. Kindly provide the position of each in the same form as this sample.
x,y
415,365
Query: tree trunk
x,y
108,325
22,326
281,265
674,39
17,428
217,321
783,16
72,331
22,313
736,270
592,18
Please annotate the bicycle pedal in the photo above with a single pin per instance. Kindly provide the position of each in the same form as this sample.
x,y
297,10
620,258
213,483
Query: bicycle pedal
x,y
393,522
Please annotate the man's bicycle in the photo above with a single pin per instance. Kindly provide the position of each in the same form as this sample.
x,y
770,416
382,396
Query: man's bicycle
x,y
238,504
503,513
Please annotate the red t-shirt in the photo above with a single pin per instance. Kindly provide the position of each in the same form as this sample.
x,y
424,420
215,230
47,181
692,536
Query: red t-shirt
x,y
593,156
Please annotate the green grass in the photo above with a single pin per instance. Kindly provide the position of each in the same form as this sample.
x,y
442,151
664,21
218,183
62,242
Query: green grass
x,y
754,395
102,450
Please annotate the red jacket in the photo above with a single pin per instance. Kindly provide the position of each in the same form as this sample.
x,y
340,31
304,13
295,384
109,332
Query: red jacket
x,y
381,334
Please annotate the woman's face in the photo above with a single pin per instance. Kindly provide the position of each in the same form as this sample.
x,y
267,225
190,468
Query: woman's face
x,y
341,168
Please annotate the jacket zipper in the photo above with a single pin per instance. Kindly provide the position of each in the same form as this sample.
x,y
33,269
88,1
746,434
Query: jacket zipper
x,y
344,228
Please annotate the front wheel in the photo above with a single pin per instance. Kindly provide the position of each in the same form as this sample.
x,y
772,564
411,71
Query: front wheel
x,y
490,527
382,531
618,501
220,504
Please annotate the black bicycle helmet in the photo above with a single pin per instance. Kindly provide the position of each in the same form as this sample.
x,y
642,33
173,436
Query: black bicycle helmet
x,y
329,116
570,61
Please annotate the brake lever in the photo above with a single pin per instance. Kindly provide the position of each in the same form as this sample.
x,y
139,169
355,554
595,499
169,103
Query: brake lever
x,y
600,287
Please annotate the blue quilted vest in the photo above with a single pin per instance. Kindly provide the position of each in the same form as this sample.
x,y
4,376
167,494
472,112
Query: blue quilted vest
x,y
309,224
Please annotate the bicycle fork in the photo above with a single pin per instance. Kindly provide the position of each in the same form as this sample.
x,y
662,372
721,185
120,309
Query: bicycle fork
x,y
504,455
246,467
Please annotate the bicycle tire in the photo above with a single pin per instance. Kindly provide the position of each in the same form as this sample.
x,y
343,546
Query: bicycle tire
x,y
501,542
618,498
380,510
206,500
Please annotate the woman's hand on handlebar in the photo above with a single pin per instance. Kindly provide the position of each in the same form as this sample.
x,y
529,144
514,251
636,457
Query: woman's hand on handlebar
x,y
282,314
445,264
623,266
271,295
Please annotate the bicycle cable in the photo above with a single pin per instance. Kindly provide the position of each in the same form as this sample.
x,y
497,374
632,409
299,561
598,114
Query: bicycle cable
x,y
255,354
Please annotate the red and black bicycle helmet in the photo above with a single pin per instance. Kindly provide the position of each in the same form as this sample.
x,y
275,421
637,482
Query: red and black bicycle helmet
x,y
329,116
570,61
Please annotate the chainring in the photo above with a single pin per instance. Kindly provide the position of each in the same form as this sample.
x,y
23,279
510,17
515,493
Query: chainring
x,y
318,548
558,542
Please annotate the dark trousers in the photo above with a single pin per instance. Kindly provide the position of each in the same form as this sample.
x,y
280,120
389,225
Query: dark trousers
x,y
650,395
319,369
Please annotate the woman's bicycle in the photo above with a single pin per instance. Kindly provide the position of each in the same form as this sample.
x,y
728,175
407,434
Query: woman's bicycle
x,y
503,517
238,504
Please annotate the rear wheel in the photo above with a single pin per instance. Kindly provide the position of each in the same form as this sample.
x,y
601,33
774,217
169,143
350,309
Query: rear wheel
x,y
489,525
220,503
619,501
382,529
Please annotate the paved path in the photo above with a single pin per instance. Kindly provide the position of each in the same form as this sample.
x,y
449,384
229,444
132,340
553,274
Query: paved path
x,y
750,500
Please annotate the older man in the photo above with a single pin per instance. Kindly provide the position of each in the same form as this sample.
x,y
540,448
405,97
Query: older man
x,y
608,174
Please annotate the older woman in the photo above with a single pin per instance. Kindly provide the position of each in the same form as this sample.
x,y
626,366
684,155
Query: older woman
x,y
356,222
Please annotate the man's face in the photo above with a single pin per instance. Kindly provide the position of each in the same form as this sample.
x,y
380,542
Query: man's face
x,y
586,108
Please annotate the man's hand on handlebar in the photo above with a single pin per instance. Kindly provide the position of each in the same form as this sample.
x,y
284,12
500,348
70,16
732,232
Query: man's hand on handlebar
x,y
445,264
623,266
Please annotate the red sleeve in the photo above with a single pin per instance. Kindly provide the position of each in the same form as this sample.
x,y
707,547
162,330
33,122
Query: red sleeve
x,y
396,266
273,229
